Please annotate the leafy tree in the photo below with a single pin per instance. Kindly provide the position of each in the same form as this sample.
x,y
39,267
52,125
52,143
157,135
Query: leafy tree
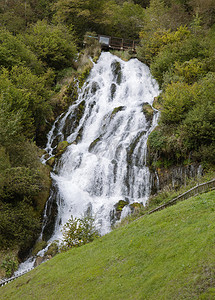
x,y
153,44
190,71
10,124
199,125
182,51
16,15
20,183
38,93
127,20
19,225
27,97
156,17
204,11
83,14
53,44
13,52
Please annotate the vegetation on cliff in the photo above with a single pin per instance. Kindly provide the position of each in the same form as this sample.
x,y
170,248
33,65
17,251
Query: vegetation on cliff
x,y
180,51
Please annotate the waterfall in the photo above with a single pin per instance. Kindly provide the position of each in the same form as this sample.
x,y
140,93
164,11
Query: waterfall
x,y
107,133
107,129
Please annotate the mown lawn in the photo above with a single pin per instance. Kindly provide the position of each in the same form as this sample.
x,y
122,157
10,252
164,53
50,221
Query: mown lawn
x,y
167,255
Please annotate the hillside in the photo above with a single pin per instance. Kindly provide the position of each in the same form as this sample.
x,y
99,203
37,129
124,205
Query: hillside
x,y
166,255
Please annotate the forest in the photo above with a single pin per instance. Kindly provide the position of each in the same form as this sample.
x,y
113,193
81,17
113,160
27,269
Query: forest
x,y
39,45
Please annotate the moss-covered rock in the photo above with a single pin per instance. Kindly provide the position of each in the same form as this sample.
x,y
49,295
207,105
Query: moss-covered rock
x,y
84,74
93,144
157,103
50,162
116,110
62,147
136,207
148,111
120,205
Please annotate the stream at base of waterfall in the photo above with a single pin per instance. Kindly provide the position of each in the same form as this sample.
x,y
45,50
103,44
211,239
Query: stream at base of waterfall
x,y
106,129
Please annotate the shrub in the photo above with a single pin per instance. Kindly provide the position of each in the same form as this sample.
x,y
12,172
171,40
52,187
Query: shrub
x,y
78,231
9,265
177,99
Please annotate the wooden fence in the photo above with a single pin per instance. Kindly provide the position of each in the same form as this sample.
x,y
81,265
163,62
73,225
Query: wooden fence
x,y
200,188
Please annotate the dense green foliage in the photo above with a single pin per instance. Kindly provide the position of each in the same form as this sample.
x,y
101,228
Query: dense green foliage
x,y
180,52
53,44
166,255
38,46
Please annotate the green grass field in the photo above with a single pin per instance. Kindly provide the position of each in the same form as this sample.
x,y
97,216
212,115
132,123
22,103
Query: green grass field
x,y
167,255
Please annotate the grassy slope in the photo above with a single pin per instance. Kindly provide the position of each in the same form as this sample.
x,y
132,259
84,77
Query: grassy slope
x,y
167,255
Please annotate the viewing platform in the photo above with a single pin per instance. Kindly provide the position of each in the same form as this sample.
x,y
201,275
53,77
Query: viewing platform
x,y
115,43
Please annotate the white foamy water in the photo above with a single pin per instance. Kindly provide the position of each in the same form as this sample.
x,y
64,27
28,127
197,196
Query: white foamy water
x,y
106,160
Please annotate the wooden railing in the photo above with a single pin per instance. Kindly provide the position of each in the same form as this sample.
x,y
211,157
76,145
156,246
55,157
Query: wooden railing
x,y
200,188
115,43
122,44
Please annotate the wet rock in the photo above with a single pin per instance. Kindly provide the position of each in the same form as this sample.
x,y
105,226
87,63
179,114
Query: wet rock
x,y
116,110
117,71
94,87
136,207
132,146
93,144
62,147
40,259
50,162
118,207
51,214
113,90
173,177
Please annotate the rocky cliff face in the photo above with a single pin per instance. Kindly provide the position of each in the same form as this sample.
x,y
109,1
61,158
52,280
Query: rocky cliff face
x,y
174,176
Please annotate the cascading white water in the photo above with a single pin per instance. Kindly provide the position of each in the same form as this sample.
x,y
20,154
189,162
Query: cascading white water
x,y
106,159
